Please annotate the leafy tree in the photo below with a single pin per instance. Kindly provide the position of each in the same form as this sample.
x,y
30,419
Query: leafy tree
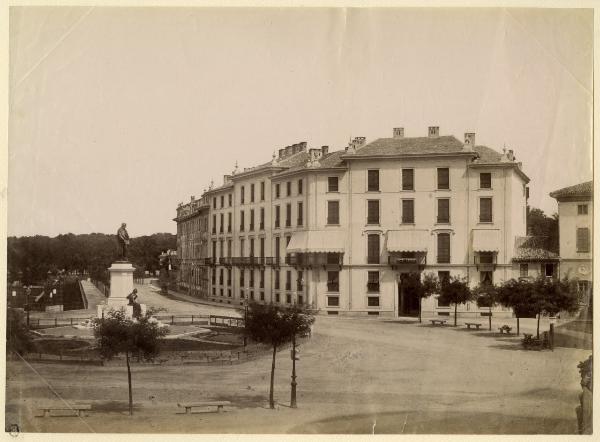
x,y
18,338
539,224
517,295
455,291
116,333
487,295
421,288
553,295
274,325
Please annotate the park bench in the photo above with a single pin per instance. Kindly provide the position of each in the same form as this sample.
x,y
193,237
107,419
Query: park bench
x,y
188,406
505,328
80,409
438,321
474,324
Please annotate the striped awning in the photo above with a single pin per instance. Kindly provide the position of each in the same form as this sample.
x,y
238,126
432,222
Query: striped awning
x,y
486,240
407,240
316,241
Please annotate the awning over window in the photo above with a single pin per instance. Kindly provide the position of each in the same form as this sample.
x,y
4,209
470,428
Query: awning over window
x,y
316,241
486,240
407,240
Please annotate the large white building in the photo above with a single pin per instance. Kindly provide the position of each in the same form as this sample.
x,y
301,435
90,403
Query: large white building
x,y
338,230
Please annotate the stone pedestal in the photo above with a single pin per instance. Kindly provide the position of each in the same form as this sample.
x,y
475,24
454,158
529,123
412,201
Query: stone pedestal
x,y
121,285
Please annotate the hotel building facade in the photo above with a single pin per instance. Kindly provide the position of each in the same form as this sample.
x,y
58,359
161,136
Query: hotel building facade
x,y
339,230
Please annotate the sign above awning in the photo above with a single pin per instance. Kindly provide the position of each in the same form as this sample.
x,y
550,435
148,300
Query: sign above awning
x,y
407,240
316,241
487,240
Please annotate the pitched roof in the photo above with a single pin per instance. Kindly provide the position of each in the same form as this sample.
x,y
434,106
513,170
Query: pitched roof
x,y
578,190
331,159
414,145
487,155
532,248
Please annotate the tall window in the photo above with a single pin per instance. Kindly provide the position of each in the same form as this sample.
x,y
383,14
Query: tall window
x,y
583,239
230,198
221,277
252,192
332,184
215,202
262,218
251,219
300,189
277,272
373,212
485,210
582,209
444,277
443,248
261,281
300,213
242,195
277,216
229,277
373,249
408,179
221,248
262,190
222,201
443,178
443,213
333,212
251,284
229,222
288,188
229,249
242,247
373,282
242,221
485,180
277,247
373,180
262,247
408,211
242,281
486,278
214,226
299,284
251,247
288,215
214,250
277,190
288,280
549,269
222,218
333,281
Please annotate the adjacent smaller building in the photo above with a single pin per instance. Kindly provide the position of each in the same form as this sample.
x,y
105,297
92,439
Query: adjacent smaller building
x,y
575,210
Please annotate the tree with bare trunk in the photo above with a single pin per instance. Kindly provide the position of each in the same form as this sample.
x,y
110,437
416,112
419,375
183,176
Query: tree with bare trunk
x,y
275,325
117,333
455,291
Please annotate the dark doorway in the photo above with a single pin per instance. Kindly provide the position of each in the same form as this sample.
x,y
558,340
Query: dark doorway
x,y
408,301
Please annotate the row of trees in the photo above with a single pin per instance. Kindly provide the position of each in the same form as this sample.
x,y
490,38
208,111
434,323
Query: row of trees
x,y
30,258
526,297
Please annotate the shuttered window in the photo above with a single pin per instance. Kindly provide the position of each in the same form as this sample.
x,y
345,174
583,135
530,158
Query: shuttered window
x,y
373,249
262,247
333,212
583,239
373,212
242,194
277,248
277,280
485,210
262,190
408,179
288,215
443,248
332,183
242,221
443,178
277,215
485,180
300,213
373,181
408,211
443,215
373,282
288,188
300,187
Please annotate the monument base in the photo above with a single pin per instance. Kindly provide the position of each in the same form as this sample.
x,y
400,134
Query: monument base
x,y
103,309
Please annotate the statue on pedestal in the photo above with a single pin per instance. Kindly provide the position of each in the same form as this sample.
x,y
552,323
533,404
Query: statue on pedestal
x,y
123,240
137,309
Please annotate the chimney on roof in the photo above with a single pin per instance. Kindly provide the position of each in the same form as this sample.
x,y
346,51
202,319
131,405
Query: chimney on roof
x,y
398,132
226,179
511,155
469,141
359,142
192,198
281,153
324,150
434,131
302,146
288,151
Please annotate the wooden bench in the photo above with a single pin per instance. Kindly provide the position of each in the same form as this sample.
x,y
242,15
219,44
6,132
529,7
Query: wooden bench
x,y
219,404
438,321
80,409
505,328
474,324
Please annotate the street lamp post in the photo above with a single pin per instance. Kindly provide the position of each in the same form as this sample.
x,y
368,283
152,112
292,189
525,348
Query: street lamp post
x,y
294,359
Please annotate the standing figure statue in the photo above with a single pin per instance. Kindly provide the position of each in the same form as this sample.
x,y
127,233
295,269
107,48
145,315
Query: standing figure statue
x,y
137,309
123,239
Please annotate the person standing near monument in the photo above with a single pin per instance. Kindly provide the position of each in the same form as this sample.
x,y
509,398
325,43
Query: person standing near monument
x,y
123,239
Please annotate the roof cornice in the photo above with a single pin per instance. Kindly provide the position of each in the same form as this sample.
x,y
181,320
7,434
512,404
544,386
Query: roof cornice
x,y
408,155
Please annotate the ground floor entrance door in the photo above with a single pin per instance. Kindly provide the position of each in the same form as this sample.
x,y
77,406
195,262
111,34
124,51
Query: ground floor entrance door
x,y
408,301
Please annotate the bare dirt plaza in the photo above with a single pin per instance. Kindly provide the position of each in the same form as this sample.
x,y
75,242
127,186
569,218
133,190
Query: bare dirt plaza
x,y
355,376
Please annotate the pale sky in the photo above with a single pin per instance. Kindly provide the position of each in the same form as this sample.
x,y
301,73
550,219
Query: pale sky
x,y
118,114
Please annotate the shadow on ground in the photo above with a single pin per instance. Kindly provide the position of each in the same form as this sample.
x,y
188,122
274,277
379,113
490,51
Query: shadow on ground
x,y
438,423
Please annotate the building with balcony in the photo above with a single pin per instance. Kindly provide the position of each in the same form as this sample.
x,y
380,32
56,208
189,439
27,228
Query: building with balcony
x,y
575,222
340,230
192,246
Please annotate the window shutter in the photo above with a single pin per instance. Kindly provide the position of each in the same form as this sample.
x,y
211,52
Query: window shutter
x,y
443,241
373,181
373,212
408,211
485,180
583,239
443,211
333,212
485,210
333,183
373,249
408,179
443,178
